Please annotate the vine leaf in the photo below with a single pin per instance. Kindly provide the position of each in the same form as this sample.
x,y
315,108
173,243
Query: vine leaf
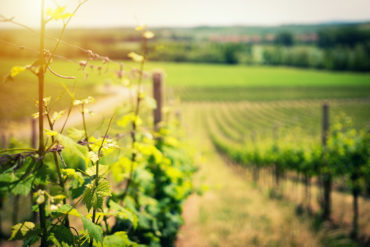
x,y
68,209
16,70
93,157
20,230
88,196
23,187
95,232
129,119
135,57
151,102
58,14
103,169
93,196
123,213
72,149
62,235
119,239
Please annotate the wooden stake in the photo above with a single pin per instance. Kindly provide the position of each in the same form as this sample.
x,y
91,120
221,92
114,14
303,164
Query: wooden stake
x,y
326,176
33,133
158,96
325,123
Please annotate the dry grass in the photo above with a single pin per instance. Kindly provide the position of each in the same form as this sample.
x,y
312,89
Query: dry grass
x,y
233,212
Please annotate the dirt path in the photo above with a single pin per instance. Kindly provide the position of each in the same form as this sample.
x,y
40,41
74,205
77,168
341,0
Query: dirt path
x,y
233,212
102,108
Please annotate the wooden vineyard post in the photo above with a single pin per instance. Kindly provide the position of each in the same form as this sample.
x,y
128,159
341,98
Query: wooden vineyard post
x,y
326,175
325,123
278,174
158,97
33,133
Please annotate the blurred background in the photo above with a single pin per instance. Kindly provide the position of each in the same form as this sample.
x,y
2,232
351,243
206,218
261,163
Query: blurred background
x,y
248,74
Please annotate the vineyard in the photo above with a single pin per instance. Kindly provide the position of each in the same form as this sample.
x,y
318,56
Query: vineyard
x,y
276,148
123,151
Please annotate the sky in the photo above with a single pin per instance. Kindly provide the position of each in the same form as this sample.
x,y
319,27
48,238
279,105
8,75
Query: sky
x,y
186,13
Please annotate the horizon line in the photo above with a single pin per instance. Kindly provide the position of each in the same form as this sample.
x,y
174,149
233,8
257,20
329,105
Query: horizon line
x,y
328,22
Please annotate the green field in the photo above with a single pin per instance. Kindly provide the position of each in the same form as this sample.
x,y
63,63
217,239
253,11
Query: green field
x,y
199,82
194,82
203,75
270,101
189,82
210,75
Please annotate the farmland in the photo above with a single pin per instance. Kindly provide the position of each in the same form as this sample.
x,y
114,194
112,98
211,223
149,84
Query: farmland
x,y
250,109
236,210
244,125
242,190
189,82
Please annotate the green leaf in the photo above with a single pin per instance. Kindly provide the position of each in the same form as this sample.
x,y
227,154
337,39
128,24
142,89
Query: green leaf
x,y
23,187
123,213
103,188
129,119
93,157
6,177
20,230
72,149
93,196
118,239
103,169
121,168
50,132
76,134
95,232
63,235
68,209
88,196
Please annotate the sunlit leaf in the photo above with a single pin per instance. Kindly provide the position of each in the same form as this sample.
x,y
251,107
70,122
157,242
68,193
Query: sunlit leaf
x,y
50,132
151,102
57,115
135,57
148,35
93,156
68,209
20,230
58,13
141,27
103,169
16,70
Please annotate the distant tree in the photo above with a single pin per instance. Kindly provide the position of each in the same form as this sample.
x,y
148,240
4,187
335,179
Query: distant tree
x,y
230,51
284,38
347,36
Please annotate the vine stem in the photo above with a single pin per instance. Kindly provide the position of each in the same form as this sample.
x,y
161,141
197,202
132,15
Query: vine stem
x,y
97,168
134,127
56,161
41,78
